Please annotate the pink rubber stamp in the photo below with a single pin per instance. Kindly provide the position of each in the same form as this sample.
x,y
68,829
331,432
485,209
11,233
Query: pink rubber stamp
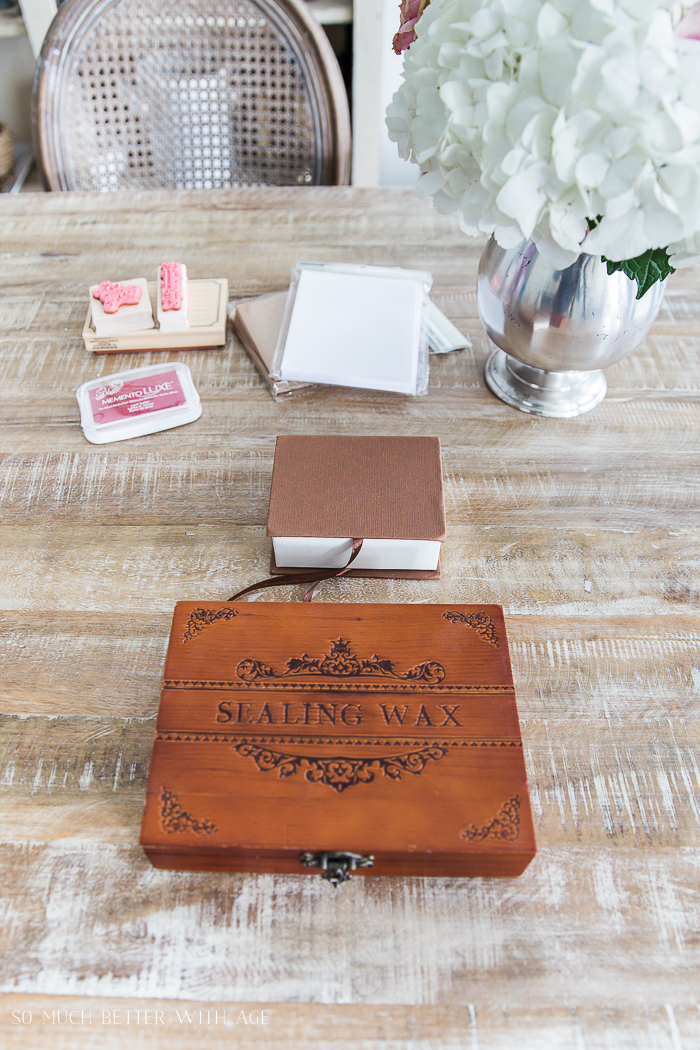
x,y
120,306
170,286
172,309
113,294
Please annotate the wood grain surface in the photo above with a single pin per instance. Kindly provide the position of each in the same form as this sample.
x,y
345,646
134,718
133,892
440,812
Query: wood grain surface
x,y
585,530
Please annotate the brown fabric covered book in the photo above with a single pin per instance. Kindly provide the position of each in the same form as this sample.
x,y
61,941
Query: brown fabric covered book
x,y
386,489
385,731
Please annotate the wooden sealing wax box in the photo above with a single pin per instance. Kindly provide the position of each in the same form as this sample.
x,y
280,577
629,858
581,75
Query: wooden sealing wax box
x,y
288,731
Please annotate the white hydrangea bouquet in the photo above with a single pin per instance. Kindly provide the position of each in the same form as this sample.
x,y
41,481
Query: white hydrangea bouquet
x,y
575,123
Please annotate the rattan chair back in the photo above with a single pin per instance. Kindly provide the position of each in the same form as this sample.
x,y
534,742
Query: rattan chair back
x,y
201,94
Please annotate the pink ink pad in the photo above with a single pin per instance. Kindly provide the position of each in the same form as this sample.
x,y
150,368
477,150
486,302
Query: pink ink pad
x,y
137,401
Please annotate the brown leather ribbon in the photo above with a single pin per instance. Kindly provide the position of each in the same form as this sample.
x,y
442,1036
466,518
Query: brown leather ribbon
x,y
302,577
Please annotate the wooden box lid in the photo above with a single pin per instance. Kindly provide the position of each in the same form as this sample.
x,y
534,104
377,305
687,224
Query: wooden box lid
x,y
388,731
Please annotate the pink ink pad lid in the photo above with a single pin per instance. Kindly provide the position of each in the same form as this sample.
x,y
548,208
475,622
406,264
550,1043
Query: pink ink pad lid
x,y
137,401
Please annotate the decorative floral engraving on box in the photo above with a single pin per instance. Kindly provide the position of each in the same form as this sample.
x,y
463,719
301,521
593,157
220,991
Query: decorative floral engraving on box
x,y
505,826
183,737
481,622
201,618
340,772
173,818
341,662
273,685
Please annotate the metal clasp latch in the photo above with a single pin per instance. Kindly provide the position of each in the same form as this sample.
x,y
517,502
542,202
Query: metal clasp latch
x,y
336,866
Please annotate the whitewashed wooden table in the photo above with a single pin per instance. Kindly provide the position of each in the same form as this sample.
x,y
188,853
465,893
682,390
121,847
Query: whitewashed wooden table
x,y
585,530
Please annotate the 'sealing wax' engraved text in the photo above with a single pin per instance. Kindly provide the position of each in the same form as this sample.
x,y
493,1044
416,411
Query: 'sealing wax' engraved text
x,y
337,714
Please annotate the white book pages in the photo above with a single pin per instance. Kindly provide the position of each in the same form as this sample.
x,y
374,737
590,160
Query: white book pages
x,y
355,330
329,552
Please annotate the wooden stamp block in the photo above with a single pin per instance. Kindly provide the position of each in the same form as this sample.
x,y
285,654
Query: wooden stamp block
x,y
207,304
120,307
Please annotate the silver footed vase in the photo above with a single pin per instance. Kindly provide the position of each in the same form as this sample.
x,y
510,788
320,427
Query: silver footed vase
x,y
557,330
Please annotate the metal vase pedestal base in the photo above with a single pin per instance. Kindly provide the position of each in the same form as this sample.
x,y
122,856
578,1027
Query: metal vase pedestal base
x,y
557,329
541,392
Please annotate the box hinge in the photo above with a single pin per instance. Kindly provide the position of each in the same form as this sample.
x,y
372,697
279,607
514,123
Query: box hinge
x,y
336,866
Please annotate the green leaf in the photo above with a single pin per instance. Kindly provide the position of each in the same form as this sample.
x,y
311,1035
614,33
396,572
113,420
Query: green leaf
x,y
646,269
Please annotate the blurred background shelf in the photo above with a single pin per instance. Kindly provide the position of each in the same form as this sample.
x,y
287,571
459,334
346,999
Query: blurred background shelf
x,y
11,24
24,158
331,12
360,32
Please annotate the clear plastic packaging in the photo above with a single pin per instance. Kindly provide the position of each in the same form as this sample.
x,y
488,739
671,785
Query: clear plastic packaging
x,y
256,321
443,336
137,401
339,335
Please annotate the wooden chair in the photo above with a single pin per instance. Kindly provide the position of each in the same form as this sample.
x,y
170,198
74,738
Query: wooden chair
x,y
196,95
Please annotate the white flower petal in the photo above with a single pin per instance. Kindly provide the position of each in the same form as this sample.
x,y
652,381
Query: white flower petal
x,y
550,22
508,236
429,184
685,252
522,199
622,238
591,169
532,116
557,257
618,206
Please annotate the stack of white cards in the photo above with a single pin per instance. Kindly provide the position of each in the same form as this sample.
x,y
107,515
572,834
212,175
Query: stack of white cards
x,y
355,326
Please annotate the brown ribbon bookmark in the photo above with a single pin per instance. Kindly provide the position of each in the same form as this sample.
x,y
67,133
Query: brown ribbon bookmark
x,y
313,578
